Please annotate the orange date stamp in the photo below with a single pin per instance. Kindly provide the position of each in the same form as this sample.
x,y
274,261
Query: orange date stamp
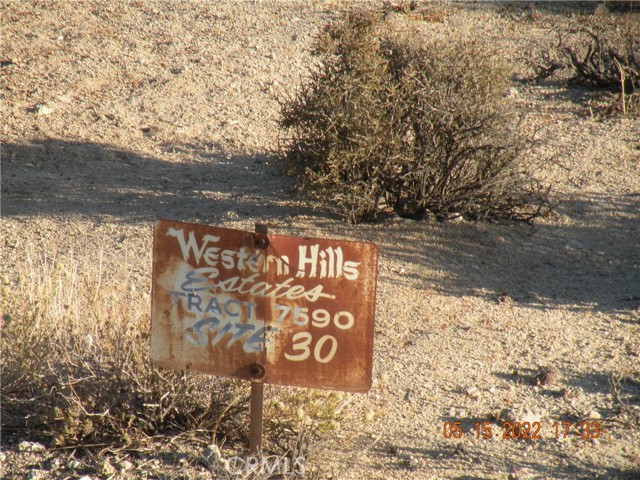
x,y
524,430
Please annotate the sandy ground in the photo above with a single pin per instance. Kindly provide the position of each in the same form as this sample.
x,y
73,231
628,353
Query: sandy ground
x,y
116,114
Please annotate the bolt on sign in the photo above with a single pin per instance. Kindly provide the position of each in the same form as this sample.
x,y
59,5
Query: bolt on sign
x,y
279,309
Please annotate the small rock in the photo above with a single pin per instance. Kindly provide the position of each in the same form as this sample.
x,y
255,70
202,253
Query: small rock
x,y
547,376
520,415
211,455
593,415
150,130
601,10
369,415
473,392
573,245
503,297
44,110
126,465
26,446
38,475
86,477
106,468
508,415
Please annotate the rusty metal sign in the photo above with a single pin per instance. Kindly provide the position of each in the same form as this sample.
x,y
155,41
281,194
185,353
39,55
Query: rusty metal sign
x,y
278,309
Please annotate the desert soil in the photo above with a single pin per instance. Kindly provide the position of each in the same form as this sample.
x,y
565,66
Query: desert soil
x,y
116,114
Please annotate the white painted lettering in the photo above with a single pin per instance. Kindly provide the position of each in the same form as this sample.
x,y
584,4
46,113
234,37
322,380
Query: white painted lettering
x,y
243,254
191,246
339,262
351,270
211,256
303,261
227,259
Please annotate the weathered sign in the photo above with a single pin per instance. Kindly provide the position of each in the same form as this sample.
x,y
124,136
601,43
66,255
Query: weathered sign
x,y
284,310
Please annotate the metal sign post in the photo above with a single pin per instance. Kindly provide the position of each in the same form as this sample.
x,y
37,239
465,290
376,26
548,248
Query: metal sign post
x,y
263,308
255,419
261,241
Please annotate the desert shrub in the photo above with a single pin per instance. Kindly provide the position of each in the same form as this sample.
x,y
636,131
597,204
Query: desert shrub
x,y
390,121
598,52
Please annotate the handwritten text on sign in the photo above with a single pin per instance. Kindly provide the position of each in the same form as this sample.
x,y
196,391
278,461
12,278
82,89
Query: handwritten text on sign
x,y
303,308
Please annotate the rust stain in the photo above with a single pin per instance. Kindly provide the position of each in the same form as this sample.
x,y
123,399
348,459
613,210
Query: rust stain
x,y
327,337
230,303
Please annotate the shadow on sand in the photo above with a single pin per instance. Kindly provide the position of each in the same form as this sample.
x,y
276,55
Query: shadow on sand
x,y
592,261
453,453
57,177
589,262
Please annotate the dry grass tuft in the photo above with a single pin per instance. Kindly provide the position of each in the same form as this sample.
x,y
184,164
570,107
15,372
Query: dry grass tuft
x,y
75,361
